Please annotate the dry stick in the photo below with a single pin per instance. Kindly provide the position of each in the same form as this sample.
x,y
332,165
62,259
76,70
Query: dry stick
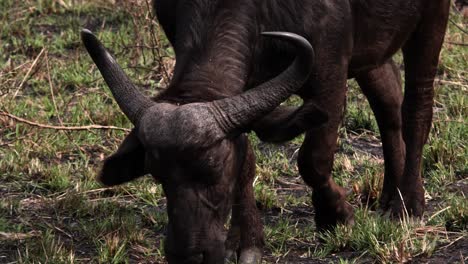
x,y
448,121
86,113
10,72
26,77
453,83
459,27
52,89
156,51
55,104
457,43
453,242
25,121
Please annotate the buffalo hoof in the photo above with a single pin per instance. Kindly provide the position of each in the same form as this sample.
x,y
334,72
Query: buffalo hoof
x,y
247,256
385,200
331,209
231,257
250,256
409,204
327,219
232,244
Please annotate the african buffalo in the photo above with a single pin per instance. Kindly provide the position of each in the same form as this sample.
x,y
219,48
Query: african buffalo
x,y
220,54
194,146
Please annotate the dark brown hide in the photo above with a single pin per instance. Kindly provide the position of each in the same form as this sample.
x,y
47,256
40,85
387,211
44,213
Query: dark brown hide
x,y
217,48
219,54
198,153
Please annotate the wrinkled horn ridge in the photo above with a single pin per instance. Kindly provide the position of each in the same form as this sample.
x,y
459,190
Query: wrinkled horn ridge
x,y
235,113
132,102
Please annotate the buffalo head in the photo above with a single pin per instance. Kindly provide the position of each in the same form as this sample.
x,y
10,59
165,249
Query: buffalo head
x,y
195,150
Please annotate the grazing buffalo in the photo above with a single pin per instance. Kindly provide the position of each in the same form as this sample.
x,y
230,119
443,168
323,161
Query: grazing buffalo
x,y
192,136
194,146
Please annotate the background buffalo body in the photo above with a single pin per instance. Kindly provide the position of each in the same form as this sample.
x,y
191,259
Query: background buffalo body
x,y
217,47
219,54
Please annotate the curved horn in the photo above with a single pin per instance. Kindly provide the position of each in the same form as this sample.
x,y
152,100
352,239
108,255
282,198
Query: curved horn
x,y
132,102
235,113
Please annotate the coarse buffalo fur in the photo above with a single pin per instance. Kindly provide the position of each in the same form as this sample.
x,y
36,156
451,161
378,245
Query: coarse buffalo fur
x,y
220,54
196,149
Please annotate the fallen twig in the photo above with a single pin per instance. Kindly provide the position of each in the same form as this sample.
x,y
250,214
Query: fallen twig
x,y
448,121
457,43
453,242
51,86
156,51
25,121
464,86
18,236
26,77
459,27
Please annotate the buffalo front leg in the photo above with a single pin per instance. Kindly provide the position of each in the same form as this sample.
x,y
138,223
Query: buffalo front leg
x,y
245,237
315,163
382,87
421,56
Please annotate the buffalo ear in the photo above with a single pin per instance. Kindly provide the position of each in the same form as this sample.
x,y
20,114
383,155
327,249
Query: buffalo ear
x,y
127,164
287,122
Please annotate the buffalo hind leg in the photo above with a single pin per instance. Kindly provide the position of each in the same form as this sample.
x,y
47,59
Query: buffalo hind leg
x,y
382,87
421,55
245,237
315,161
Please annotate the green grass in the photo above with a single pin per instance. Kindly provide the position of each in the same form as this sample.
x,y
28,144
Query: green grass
x,y
53,211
